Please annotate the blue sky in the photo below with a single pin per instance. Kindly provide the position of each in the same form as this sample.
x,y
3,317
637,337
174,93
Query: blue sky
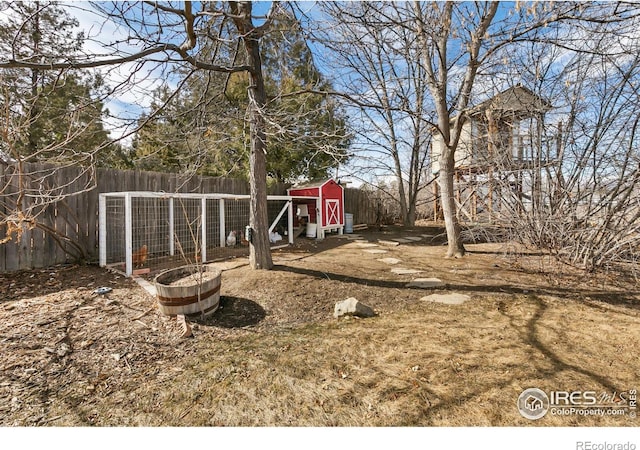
x,y
134,99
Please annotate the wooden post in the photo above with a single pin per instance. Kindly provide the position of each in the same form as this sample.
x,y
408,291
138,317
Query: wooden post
x,y
492,129
223,238
474,195
290,221
102,229
128,235
172,230
436,204
203,222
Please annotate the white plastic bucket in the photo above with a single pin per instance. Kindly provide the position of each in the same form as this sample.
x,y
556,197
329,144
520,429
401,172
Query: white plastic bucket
x,y
348,223
312,228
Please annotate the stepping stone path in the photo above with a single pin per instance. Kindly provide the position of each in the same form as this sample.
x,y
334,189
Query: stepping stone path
x,y
447,299
422,283
403,271
149,287
366,245
228,265
426,283
390,260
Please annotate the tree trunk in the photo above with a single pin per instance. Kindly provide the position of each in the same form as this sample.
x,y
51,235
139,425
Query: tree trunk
x,y
35,79
410,220
259,247
402,195
455,248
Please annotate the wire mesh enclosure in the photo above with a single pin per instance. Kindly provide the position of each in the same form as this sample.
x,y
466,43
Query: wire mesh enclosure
x,y
145,232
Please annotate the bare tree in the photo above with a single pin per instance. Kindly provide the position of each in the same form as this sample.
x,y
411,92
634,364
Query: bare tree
x,y
436,28
378,72
260,255
460,44
447,44
588,169
52,116
165,37
468,48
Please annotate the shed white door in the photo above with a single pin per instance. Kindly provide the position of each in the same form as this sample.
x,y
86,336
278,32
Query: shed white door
x,y
332,212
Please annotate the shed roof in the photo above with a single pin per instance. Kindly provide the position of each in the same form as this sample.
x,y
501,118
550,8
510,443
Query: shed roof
x,y
313,184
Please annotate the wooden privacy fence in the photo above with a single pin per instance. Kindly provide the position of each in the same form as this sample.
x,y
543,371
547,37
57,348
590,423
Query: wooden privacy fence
x,y
362,205
64,202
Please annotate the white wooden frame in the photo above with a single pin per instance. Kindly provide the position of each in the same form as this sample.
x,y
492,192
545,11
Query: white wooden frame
x,y
128,196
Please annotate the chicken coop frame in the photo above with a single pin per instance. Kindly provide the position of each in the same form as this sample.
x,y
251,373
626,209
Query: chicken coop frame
x,y
178,226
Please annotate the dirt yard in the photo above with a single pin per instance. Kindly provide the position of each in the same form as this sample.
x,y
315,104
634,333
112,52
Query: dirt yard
x,y
273,355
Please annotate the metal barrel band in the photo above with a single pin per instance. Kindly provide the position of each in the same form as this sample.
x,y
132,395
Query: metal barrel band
x,y
182,301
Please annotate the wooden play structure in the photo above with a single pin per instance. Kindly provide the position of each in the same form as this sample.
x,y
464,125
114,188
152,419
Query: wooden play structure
x,y
502,152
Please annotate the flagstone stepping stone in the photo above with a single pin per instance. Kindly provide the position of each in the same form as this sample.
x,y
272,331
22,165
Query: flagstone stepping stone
x,y
150,288
427,236
375,251
353,237
391,243
426,283
366,245
403,271
413,238
402,240
461,271
447,299
390,260
228,265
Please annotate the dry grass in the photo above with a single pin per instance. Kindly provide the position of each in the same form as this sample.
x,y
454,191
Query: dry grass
x,y
427,366
273,356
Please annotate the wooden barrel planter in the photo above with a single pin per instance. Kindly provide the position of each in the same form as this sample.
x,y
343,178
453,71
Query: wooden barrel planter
x,y
186,290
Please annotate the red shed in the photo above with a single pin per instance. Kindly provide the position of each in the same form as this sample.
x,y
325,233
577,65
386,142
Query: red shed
x,y
324,204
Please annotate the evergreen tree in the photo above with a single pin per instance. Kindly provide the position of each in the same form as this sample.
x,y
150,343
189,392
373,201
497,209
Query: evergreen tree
x,y
203,128
193,130
50,115
69,121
